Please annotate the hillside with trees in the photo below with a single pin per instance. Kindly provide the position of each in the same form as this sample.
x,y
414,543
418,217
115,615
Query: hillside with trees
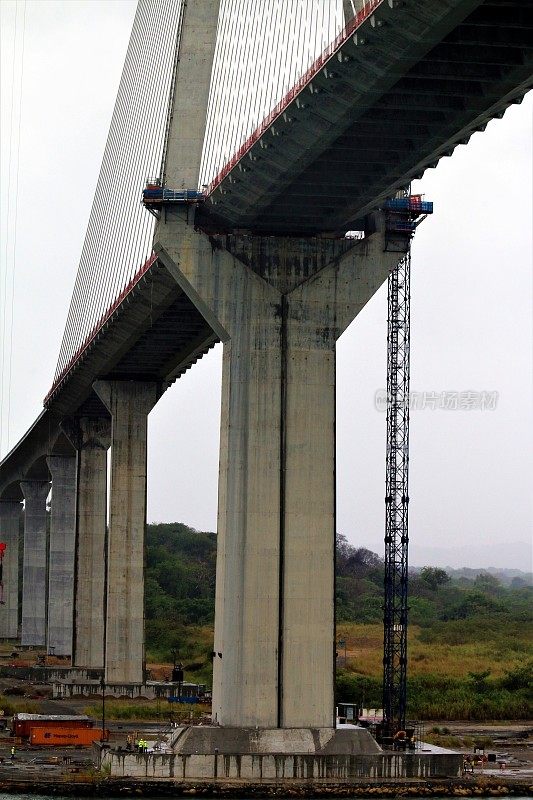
x,y
470,641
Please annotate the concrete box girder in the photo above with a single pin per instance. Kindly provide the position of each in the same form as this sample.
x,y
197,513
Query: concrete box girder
x,y
453,66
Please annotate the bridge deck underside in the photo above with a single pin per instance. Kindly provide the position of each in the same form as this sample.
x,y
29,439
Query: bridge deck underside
x,y
155,334
377,115
415,80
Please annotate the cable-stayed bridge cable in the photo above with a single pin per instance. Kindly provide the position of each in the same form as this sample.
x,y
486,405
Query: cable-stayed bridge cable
x,y
262,47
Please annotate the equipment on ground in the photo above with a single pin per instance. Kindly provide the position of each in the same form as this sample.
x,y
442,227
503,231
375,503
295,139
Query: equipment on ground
x,y
155,195
23,724
54,736
403,215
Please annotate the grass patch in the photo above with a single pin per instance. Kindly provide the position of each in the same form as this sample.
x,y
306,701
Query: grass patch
x,y
142,712
443,740
14,705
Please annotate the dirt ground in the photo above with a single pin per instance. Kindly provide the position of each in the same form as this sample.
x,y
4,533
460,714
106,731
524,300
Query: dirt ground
x,y
510,741
517,738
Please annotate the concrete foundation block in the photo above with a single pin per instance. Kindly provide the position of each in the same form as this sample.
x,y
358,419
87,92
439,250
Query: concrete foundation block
x,y
285,768
206,740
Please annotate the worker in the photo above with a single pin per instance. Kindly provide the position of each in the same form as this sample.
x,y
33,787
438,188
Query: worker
x,y
13,753
399,740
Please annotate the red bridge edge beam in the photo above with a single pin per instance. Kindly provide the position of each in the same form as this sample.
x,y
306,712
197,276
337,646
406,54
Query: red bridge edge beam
x,y
97,327
306,78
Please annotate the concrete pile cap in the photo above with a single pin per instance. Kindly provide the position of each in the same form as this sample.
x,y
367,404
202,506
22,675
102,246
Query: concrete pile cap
x,y
274,741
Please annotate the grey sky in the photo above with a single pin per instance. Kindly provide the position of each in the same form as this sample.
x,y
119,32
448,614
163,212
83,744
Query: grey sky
x,y
471,311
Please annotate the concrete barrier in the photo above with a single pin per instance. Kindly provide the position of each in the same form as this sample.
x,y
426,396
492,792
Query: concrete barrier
x,y
265,768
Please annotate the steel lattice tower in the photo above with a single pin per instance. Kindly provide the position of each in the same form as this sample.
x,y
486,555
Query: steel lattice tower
x,y
396,499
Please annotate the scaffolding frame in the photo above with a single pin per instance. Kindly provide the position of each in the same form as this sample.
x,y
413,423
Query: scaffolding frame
x,y
395,610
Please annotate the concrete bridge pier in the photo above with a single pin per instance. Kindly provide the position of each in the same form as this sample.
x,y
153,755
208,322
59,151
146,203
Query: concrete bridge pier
x,y
92,438
34,563
279,305
62,547
10,511
129,403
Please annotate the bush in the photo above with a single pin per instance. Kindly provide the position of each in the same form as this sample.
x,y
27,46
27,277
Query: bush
x,y
521,677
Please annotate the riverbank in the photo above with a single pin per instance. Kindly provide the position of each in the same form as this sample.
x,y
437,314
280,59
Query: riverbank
x,y
95,786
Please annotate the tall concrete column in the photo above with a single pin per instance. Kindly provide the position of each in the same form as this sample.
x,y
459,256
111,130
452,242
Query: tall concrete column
x,y
92,438
279,319
248,551
62,546
192,82
274,623
10,511
129,403
34,563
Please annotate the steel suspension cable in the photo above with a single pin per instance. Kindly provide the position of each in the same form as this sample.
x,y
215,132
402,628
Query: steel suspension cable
x,y
262,47
119,233
103,191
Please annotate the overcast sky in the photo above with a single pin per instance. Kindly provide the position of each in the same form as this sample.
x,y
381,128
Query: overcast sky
x,y
471,470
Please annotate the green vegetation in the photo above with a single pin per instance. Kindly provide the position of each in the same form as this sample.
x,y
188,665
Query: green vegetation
x,y
470,646
12,705
135,711
180,597
433,696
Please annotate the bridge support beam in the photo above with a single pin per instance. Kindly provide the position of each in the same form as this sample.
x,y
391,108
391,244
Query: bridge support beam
x,y
274,618
10,511
91,437
129,403
62,547
34,564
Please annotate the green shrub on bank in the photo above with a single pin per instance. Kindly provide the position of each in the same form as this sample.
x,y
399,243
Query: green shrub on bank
x,y
471,623
437,697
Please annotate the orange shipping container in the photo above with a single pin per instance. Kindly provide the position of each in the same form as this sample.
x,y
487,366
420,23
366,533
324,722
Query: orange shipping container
x,y
23,723
54,737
